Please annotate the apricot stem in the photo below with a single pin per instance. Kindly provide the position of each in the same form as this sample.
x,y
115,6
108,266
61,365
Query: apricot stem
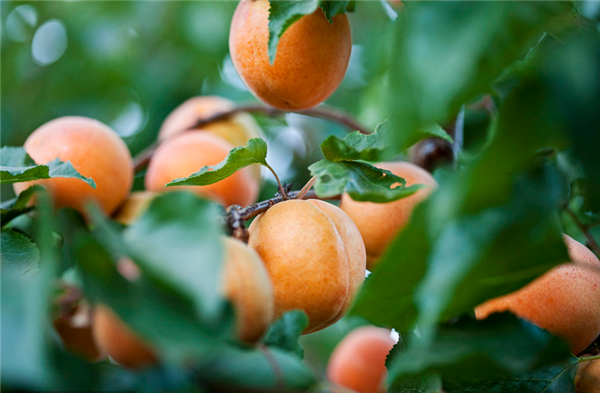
x,y
142,158
586,231
306,188
588,358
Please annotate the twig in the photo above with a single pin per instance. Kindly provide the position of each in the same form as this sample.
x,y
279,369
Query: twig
x,y
142,158
588,358
236,216
586,231
282,190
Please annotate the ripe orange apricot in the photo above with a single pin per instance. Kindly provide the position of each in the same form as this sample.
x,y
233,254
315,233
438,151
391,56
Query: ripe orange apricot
x,y
358,361
379,223
186,154
587,379
565,301
312,56
238,129
117,340
315,257
248,287
95,151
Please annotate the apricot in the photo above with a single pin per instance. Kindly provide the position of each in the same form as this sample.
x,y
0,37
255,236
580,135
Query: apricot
x,y
75,331
238,129
379,223
587,379
186,154
565,301
358,361
312,56
95,151
248,287
315,257
119,341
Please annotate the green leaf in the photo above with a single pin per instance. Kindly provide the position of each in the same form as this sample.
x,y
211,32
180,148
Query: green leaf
x,y
16,166
437,130
456,263
481,356
253,370
283,14
157,313
19,253
19,205
436,68
255,152
285,332
357,146
362,181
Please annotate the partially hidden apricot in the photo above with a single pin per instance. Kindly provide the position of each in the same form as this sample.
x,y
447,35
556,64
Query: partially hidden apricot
x,y
186,154
358,361
119,341
248,287
379,223
75,331
237,129
312,56
315,257
134,206
565,301
95,151
587,379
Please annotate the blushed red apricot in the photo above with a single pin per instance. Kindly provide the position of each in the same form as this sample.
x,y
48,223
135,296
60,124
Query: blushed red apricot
x,y
119,341
75,331
379,223
238,129
358,361
312,56
95,151
315,257
186,154
565,301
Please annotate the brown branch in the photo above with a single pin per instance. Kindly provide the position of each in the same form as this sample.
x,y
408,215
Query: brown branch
x,y
586,231
141,159
236,216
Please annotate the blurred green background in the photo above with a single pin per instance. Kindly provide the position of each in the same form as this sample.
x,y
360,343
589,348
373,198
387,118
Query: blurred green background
x,y
130,63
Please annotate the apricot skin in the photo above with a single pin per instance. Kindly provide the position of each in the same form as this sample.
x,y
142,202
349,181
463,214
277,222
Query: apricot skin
x,y
358,362
311,60
248,287
186,154
565,301
95,151
237,130
118,341
315,257
379,223
134,206
588,376
77,335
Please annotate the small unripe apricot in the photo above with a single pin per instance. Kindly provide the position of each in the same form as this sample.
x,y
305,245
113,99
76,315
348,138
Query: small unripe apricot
x,y
186,154
315,257
379,223
565,301
95,151
358,361
119,342
237,130
312,56
587,379
248,287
